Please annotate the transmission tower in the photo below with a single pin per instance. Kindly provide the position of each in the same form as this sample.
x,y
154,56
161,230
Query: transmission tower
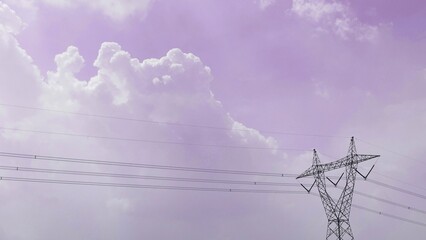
x,y
338,211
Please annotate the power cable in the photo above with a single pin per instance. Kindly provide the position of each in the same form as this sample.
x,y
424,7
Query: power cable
x,y
391,151
396,188
390,215
146,177
140,186
229,190
180,179
137,165
387,185
388,202
174,168
400,181
165,122
384,214
149,140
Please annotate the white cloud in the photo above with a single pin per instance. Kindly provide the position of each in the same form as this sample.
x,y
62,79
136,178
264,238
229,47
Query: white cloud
x,y
18,72
69,61
317,9
115,9
24,8
335,16
263,4
9,21
126,86
173,88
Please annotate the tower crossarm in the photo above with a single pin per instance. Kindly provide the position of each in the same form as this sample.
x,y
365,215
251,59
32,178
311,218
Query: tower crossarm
x,y
338,211
343,162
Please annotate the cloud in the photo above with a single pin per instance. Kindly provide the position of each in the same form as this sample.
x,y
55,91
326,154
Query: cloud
x,y
176,86
117,10
18,72
317,9
263,4
69,61
173,88
9,21
334,16
24,8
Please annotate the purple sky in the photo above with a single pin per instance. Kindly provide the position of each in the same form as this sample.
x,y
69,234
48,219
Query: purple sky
x,y
340,68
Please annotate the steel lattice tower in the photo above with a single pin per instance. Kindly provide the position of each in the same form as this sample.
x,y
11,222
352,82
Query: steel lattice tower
x,y
338,211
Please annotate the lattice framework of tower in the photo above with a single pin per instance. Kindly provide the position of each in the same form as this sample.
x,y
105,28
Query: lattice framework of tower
x,y
338,211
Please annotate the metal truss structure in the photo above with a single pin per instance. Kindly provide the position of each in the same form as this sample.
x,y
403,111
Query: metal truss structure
x,y
338,211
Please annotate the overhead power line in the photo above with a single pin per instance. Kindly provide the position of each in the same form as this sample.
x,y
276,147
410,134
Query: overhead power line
x,y
137,165
162,187
181,179
384,184
381,183
422,196
148,140
386,176
390,215
397,189
393,152
337,211
178,168
166,122
141,186
191,125
388,202
146,177
384,214
397,180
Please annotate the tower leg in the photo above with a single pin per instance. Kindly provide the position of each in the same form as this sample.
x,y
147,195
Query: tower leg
x,y
339,230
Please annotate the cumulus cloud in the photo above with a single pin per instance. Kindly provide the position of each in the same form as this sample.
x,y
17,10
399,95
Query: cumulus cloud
x,y
69,61
18,72
175,87
334,16
9,21
172,88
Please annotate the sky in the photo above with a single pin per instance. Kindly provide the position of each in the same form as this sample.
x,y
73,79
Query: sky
x,y
271,80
